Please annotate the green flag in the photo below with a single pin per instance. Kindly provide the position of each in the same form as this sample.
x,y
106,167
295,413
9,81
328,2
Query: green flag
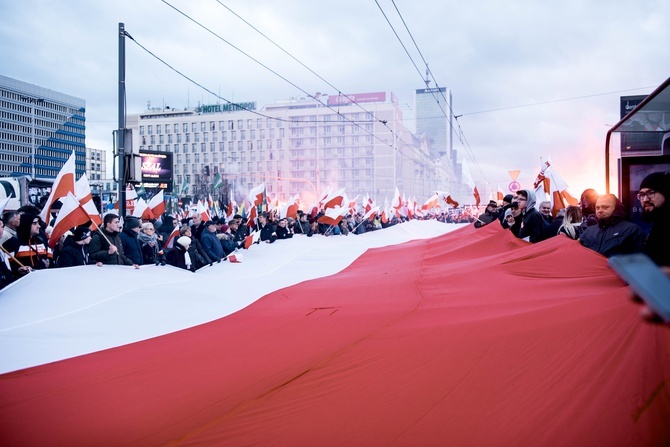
x,y
218,181
184,187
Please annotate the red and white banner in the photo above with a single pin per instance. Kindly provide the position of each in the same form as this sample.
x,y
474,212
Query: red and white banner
x,y
433,354
63,184
70,215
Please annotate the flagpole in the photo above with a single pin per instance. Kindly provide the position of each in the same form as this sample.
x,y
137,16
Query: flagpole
x,y
97,227
12,257
356,227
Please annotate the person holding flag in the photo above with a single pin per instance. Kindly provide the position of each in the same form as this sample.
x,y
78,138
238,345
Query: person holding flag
x,y
106,245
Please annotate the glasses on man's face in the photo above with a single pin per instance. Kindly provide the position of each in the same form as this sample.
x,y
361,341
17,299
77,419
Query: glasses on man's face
x,y
648,194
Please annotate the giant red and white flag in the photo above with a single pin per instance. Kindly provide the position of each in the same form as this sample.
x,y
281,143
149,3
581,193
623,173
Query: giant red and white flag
x,y
71,215
113,367
64,184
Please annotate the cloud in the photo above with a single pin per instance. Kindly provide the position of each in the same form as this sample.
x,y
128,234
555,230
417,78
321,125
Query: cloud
x,y
493,55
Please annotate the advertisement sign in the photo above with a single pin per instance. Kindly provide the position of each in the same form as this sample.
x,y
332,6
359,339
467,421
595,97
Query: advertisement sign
x,y
157,168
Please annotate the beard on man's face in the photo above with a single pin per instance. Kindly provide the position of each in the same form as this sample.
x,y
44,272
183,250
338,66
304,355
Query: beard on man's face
x,y
649,216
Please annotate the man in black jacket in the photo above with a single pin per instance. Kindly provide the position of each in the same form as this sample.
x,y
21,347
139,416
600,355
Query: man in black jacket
x,y
132,247
267,230
488,216
532,222
106,245
75,249
654,196
613,235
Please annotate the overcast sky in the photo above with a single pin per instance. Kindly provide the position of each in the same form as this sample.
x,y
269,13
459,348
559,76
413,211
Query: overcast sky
x,y
492,55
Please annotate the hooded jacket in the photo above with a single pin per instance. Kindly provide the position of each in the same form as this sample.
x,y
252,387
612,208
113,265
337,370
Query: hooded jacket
x,y
532,222
72,254
614,235
31,251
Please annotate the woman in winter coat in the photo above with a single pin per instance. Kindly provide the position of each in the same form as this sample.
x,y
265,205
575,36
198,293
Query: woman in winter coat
x,y
152,249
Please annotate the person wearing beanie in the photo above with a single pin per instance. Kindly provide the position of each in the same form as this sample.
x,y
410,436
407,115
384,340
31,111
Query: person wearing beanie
x,y
507,202
178,255
489,215
654,197
132,247
75,248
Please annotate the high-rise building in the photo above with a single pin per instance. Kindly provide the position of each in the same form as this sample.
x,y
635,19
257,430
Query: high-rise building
x,y
39,130
434,123
299,146
96,164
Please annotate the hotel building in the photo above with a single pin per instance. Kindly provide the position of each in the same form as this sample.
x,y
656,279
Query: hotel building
x,y
299,146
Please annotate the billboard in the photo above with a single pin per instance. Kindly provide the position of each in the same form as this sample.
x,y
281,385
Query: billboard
x,y
157,168
341,100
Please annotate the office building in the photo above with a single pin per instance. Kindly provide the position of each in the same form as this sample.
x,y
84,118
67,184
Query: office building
x,y
300,146
39,129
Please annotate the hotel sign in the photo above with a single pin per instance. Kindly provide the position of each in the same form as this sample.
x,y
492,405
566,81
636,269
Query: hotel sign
x,y
230,107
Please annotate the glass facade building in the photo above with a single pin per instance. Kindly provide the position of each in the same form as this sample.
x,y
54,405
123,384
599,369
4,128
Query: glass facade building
x,y
39,130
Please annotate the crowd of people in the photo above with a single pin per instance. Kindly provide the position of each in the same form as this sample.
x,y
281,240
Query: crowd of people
x,y
599,222
190,243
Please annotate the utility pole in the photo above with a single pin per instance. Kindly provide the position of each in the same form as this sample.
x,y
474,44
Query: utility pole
x,y
121,134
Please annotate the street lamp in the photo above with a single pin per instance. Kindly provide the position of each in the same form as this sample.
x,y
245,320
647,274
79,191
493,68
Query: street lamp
x,y
32,102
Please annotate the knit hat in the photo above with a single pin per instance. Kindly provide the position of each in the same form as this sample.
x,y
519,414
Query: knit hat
x,y
81,233
224,228
492,203
132,222
659,182
209,222
184,241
